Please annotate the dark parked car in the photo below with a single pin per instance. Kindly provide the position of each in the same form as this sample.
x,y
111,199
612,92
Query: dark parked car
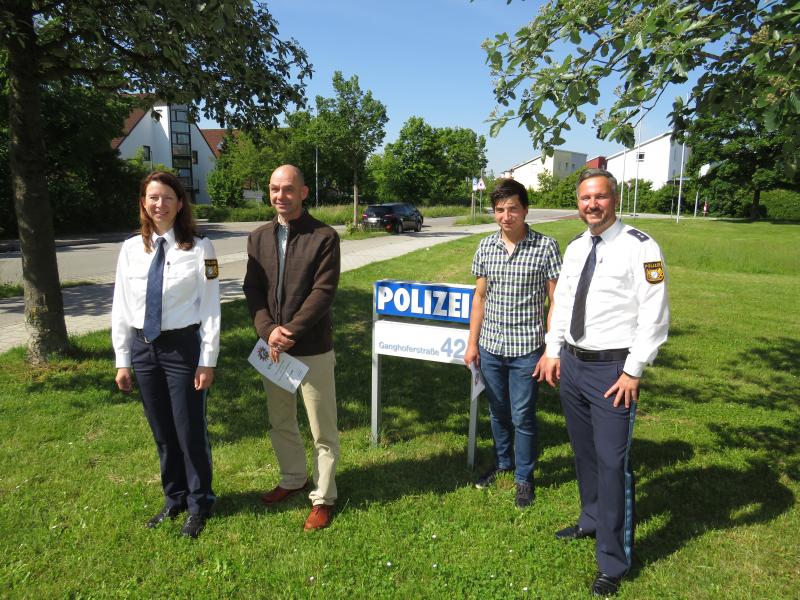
x,y
395,216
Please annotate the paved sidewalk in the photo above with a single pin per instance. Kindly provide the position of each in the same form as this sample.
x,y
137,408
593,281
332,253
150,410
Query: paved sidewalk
x,y
88,308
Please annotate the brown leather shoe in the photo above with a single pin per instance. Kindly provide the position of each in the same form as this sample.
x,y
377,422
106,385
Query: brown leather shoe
x,y
279,494
319,517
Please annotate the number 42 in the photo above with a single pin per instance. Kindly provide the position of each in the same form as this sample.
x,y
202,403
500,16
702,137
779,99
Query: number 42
x,y
454,348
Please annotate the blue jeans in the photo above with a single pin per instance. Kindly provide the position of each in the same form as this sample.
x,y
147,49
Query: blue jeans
x,y
512,392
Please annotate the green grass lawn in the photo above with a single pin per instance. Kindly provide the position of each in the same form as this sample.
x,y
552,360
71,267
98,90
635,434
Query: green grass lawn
x,y
717,453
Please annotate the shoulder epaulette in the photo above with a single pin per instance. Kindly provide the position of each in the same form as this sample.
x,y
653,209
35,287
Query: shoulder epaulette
x,y
642,237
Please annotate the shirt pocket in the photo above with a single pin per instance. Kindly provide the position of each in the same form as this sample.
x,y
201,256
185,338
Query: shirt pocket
x,y
612,273
137,278
181,277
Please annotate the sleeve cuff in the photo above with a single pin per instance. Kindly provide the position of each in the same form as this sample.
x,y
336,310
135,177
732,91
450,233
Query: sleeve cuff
x,y
123,360
208,359
633,367
553,350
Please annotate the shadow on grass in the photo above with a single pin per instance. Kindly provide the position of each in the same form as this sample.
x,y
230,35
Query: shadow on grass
x,y
764,375
648,456
693,501
780,444
361,486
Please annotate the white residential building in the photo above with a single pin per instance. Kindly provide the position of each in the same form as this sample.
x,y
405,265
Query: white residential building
x,y
561,164
166,136
657,160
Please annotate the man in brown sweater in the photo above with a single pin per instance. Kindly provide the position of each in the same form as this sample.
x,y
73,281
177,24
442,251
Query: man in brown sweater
x,y
292,275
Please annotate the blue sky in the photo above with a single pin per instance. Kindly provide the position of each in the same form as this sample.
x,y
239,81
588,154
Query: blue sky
x,y
424,58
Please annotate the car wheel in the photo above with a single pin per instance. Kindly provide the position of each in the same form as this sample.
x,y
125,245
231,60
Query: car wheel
x,y
418,227
399,227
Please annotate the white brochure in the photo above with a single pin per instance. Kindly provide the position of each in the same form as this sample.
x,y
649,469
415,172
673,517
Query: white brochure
x,y
287,373
477,382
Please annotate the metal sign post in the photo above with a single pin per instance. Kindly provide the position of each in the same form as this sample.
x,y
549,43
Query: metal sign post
x,y
472,198
481,187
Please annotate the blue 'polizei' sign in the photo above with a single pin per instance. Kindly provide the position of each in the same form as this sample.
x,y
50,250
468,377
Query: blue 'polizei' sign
x,y
437,301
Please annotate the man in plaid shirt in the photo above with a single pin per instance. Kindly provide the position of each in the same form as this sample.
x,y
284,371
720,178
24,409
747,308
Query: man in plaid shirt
x,y
515,269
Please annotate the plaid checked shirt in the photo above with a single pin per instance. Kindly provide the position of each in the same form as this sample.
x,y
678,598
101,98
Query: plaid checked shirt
x,y
513,318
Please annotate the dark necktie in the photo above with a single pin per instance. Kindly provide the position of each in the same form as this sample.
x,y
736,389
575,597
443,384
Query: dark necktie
x,y
578,325
152,306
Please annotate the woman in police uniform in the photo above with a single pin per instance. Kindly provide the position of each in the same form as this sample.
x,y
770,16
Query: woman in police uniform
x,y
165,324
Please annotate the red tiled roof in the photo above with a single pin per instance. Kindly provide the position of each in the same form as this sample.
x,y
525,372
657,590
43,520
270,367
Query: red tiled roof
x,y
214,139
131,122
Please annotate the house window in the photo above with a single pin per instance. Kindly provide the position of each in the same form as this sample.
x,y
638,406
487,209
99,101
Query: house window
x,y
180,138
194,157
146,153
640,157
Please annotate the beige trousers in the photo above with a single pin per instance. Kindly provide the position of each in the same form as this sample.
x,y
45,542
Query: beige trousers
x,y
318,390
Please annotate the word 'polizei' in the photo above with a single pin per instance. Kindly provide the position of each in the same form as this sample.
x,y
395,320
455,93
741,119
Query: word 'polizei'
x,y
423,301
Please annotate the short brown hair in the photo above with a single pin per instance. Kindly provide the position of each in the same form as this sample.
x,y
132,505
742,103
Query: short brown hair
x,y
508,188
185,226
589,173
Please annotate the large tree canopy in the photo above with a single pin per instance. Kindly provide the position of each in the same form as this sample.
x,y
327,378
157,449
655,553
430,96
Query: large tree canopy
x,y
223,56
90,187
350,124
746,52
745,158
428,164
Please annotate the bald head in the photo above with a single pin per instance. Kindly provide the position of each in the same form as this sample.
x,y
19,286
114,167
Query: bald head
x,y
290,171
287,190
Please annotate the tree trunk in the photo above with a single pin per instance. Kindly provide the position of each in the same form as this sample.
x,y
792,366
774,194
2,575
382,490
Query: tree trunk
x,y
44,306
355,196
755,211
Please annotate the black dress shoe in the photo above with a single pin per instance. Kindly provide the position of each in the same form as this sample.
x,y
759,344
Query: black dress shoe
x,y
168,512
605,585
573,533
194,525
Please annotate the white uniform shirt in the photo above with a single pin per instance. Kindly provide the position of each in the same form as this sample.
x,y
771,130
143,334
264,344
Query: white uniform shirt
x,y
189,296
626,306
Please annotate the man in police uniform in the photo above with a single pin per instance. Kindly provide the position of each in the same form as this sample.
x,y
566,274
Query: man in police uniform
x,y
611,315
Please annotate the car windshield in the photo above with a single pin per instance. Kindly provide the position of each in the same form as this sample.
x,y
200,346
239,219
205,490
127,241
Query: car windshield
x,y
376,211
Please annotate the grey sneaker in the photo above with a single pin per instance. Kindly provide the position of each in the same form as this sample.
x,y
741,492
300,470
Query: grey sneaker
x,y
524,495
488,478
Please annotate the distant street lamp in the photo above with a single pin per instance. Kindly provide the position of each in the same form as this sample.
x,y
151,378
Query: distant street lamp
x,y
680,185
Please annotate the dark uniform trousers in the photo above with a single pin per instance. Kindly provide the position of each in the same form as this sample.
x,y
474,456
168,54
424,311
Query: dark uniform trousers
x,y
176,413
601,438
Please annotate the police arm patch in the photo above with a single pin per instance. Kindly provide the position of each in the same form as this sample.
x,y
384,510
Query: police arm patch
x,y
212,268
654,272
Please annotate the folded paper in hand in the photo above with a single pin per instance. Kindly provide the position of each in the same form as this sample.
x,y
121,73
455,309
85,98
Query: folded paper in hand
x,y
477,385
287,373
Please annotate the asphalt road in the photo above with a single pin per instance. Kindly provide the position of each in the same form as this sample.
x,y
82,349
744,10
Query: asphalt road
x,y
94,258
88,307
